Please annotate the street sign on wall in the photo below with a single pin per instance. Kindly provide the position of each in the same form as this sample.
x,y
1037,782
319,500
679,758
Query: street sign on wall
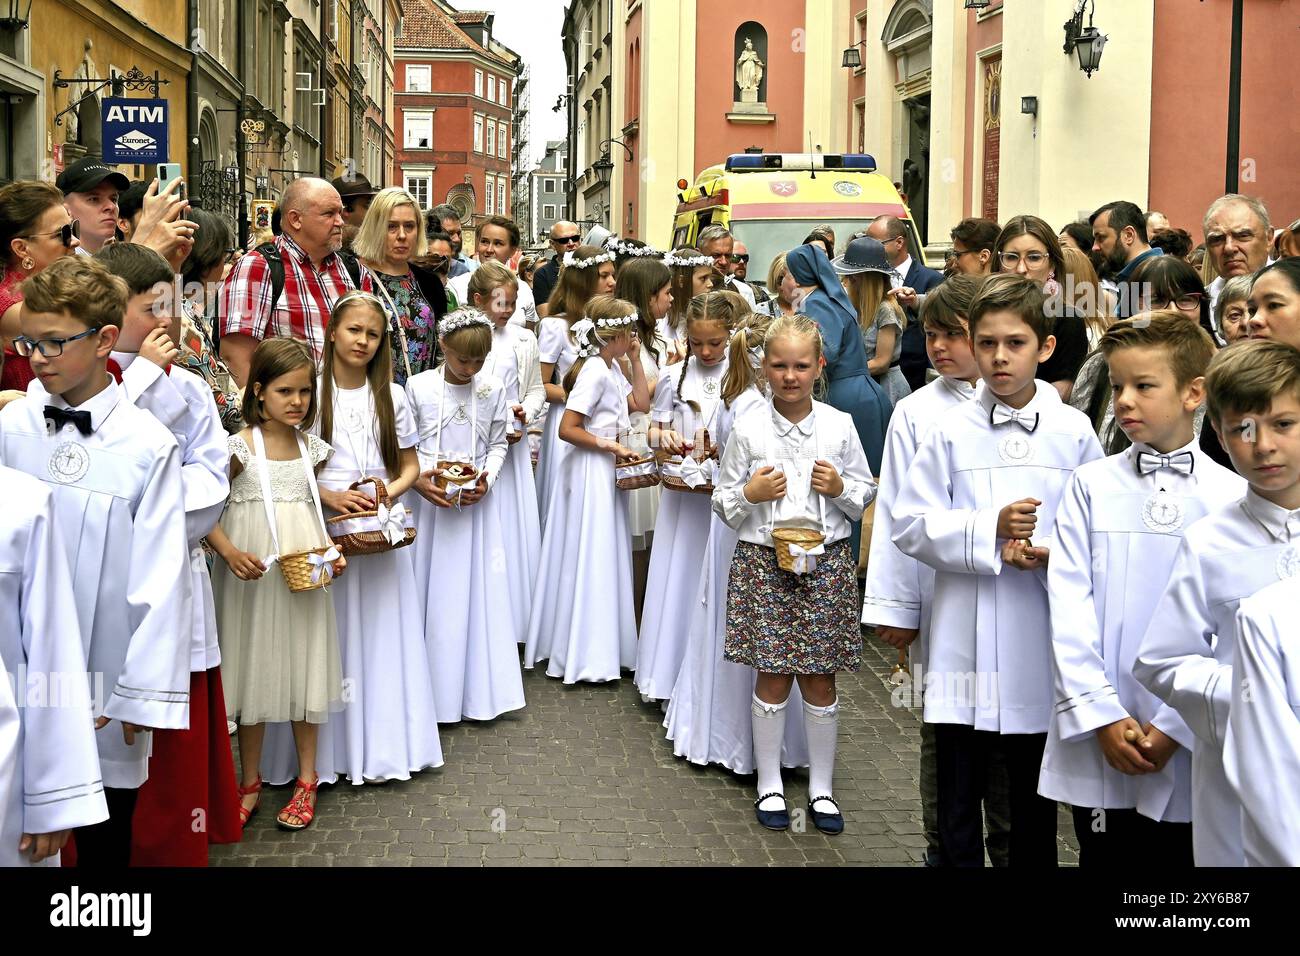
x,y
134,131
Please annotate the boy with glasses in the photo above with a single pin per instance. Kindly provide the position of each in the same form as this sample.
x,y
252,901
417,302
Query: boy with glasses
x,y
115,475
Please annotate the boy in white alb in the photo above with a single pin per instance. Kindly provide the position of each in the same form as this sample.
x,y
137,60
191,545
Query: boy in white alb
x,y
1112,752
1186,655
900,589
49,771
115,473
968,508
1261,749
186,767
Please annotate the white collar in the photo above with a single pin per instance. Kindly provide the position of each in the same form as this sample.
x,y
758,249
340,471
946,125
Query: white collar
x,y
1041,398
963,390
1282,525
784,427
100,405
901,270
123,359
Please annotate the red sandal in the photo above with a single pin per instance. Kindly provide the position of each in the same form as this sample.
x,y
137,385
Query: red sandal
x,y
246,813
299,807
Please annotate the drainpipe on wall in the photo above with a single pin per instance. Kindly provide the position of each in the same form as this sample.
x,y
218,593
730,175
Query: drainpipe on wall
x,y
193,149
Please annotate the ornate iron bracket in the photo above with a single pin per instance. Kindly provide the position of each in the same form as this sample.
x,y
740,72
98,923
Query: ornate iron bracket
x,y
132,79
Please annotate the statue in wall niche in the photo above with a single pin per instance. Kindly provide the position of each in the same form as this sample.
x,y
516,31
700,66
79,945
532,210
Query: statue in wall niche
x,y
749,73
78,88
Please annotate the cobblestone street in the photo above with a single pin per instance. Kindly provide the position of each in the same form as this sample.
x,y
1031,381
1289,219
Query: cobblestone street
x,y
584,775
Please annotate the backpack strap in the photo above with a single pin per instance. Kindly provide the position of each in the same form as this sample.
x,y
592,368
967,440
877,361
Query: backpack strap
x,y
352,265
271,253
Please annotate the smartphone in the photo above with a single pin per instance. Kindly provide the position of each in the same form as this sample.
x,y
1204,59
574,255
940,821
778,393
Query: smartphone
x,y
166,173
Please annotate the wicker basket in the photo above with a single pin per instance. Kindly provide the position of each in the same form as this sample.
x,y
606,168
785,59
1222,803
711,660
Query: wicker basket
x,y
782,538
298,570
637,473
458,473
673,481
364,532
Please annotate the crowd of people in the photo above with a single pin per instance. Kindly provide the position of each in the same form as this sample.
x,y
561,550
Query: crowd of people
x,y
339,488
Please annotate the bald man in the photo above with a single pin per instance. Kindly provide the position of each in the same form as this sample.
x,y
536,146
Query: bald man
x,y
315,276
565,237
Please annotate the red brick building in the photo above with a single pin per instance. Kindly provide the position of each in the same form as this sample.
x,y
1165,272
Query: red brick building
x,y
453,102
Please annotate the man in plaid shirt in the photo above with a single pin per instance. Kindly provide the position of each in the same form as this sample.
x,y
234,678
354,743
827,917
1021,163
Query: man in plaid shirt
x,y
311,217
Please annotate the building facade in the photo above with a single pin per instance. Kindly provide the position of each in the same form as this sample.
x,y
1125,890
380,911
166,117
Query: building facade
x,y
588,38
548,198
454,88
926,100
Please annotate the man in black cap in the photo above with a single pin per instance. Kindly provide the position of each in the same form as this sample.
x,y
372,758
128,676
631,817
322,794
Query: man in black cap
x,y
90,194
356,192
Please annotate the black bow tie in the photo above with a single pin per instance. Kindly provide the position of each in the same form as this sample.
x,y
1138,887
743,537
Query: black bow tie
x,y
58,417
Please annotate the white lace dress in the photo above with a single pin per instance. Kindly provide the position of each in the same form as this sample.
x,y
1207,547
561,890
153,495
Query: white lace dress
x,y
279,649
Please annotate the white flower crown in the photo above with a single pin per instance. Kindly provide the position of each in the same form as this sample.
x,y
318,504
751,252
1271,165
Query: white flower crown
x,y
636,252
671,261
573,262
462,319
584,330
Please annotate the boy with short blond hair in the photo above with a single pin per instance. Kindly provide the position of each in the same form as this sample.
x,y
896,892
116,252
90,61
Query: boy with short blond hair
x,y
1112,749
1186,655
115,476
968,508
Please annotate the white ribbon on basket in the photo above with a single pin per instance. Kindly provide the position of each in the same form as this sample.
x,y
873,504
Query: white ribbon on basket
x,y
392,522
323,564
695,473
805,559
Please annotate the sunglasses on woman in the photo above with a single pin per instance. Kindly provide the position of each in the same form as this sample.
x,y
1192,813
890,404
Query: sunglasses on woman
x,y
66,233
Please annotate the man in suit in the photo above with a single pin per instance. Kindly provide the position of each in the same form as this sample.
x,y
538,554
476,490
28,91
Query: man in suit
x,y
910,280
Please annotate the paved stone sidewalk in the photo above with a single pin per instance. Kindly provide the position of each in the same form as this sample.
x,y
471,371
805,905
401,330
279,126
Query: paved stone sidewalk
x,y
584,775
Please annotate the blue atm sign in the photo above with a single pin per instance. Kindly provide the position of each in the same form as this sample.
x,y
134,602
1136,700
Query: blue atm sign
x,y
134,131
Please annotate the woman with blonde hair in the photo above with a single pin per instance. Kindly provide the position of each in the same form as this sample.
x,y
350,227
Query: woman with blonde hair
x,y
866,273
390,237
1084,292
782,289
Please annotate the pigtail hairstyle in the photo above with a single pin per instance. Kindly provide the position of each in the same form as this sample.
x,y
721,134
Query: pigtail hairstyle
x,y
575,286
741,373
729,308
379,374
600,307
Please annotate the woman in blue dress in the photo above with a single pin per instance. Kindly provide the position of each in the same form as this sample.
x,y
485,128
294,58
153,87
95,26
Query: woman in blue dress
x,y
850,388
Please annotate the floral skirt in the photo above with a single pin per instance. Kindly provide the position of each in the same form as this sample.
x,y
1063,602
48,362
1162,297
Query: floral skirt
x,y
783,623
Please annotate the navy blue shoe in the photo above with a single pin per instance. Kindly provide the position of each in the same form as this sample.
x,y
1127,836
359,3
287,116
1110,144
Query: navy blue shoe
x,y
829,823
772,819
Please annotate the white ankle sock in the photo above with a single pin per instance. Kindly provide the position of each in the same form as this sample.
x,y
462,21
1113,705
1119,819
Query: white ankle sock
x,y
822,725
769,731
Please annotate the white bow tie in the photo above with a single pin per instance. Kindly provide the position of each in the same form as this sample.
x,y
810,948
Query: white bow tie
x,y
1148,463
1000,415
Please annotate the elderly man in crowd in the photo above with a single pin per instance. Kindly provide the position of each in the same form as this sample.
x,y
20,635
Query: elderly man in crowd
x,y
717,241
910,281
313,276
565,237
1237,236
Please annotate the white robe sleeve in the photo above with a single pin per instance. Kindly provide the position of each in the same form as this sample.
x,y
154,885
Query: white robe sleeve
x,y
893,591
1085,699
204,464
62,784
1176,662
153,687
729,501
532,391
927,526
497,444
1261,750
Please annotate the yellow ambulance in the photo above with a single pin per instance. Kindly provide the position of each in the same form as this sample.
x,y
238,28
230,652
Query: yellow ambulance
x,y
772,201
